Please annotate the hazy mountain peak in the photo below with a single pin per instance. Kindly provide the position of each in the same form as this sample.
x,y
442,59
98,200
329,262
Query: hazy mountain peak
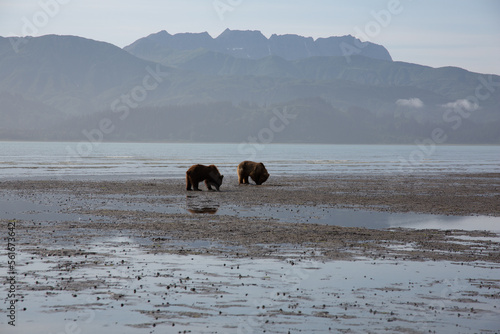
x,y
290,37
159,36
228,33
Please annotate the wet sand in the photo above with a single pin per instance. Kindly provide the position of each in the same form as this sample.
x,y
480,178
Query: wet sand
x,y
112,234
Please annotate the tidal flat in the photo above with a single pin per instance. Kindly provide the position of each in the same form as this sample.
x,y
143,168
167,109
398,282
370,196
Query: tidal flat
x,y
346,253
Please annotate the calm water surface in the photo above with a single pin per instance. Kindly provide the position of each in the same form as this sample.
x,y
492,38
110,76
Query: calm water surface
x,y
139,160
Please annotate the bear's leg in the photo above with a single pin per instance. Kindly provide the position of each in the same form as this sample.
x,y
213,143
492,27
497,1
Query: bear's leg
x,y
195,186
240,178
209,187
188,182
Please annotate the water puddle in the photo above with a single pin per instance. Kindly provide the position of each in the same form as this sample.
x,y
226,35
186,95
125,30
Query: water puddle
x,y
20,208
364,218
60,209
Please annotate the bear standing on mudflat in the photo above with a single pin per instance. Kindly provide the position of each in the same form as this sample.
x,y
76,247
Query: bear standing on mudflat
x,y
256,170
197,173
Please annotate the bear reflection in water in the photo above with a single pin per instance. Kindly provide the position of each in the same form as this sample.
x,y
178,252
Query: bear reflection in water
x,y
196,205
203,210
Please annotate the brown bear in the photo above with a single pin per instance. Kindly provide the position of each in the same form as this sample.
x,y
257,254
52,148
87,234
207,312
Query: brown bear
x,y
256,170
197,173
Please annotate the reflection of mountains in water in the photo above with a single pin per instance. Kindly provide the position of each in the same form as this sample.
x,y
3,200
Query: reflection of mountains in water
x,y
197,205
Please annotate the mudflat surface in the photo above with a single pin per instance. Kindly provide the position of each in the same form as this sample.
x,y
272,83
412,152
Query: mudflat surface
x,y
163,209
453,194
168,257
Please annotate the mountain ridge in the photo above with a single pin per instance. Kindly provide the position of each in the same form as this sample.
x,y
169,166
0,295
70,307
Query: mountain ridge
x,y
252,44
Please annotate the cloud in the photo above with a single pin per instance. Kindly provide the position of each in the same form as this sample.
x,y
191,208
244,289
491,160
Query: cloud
x,y
414,102
462,104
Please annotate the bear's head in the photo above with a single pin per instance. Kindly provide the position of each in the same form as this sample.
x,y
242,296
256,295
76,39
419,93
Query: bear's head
x,y
262,174
261,179
215,178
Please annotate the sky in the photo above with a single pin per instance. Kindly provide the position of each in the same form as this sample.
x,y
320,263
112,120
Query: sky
x,y
463,33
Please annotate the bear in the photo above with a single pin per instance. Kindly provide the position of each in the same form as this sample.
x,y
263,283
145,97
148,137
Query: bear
x,y
256,170
197,173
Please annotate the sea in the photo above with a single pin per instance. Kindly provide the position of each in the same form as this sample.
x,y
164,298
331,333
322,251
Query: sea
x,y
103,160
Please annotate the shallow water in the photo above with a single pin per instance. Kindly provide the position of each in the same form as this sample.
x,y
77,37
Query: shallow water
x,y
171,160
23,209
123,289
14,207
366,218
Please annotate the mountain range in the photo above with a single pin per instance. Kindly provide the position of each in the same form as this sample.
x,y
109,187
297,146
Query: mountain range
x,y
254,45
192,87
